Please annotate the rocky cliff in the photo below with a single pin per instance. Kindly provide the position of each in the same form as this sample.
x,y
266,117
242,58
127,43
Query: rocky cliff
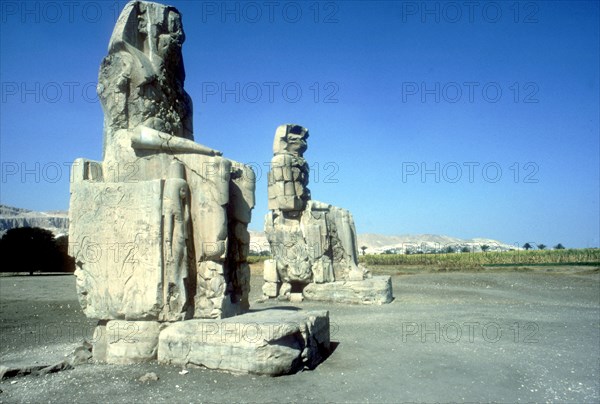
x,y
11,217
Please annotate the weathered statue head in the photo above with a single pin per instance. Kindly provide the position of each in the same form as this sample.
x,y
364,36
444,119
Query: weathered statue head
x,y
290,139
141,80
154,30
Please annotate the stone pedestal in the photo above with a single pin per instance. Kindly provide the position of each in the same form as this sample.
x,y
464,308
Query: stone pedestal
x,y
375,290
125,342
269,342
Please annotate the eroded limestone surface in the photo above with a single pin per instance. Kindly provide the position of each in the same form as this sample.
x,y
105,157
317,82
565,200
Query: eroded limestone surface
x,y
158,229
269,342
312,242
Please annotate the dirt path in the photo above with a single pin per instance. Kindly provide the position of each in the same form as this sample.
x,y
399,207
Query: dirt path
x,y
484,336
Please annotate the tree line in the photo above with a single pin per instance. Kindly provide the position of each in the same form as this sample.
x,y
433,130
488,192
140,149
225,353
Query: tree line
x,y
33,249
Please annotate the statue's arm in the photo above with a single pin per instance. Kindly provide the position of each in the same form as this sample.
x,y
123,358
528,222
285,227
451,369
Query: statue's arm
x,y
145,138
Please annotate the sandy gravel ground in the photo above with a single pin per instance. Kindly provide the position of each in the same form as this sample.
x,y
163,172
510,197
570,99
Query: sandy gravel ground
x,y
510,336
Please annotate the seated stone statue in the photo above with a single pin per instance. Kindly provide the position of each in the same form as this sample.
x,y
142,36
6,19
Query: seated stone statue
x,y
311,242
159,227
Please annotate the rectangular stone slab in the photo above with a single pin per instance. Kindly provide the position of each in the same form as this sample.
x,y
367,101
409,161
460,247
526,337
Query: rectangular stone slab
x,y
115,239
269,342
375,290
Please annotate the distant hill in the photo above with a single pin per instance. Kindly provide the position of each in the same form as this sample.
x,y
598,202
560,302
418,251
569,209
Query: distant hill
x,y
58,223
11,217
378,243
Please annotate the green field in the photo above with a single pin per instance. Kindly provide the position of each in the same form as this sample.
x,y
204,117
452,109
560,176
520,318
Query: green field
x,y
255,259
477,260
456,261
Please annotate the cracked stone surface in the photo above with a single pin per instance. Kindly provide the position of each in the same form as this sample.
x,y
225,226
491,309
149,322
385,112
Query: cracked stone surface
x,y
268,342
158,228
312,243
375,290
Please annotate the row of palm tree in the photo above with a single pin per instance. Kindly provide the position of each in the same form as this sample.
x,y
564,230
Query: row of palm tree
x,y
529,246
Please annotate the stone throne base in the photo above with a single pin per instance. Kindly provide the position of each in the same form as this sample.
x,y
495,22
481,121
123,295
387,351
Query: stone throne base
x,y
375,290
268,342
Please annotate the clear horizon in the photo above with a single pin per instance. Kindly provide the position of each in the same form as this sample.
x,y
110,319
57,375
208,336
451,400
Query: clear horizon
x,y
444,118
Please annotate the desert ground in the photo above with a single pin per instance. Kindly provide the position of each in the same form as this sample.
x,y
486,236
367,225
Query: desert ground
x,y
524,335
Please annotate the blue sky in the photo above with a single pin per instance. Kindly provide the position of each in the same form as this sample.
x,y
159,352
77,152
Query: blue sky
x,y
425,117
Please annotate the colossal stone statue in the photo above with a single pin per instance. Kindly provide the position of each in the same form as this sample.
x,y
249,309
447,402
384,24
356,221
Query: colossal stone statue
x,y
158,229
311,242
160,213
